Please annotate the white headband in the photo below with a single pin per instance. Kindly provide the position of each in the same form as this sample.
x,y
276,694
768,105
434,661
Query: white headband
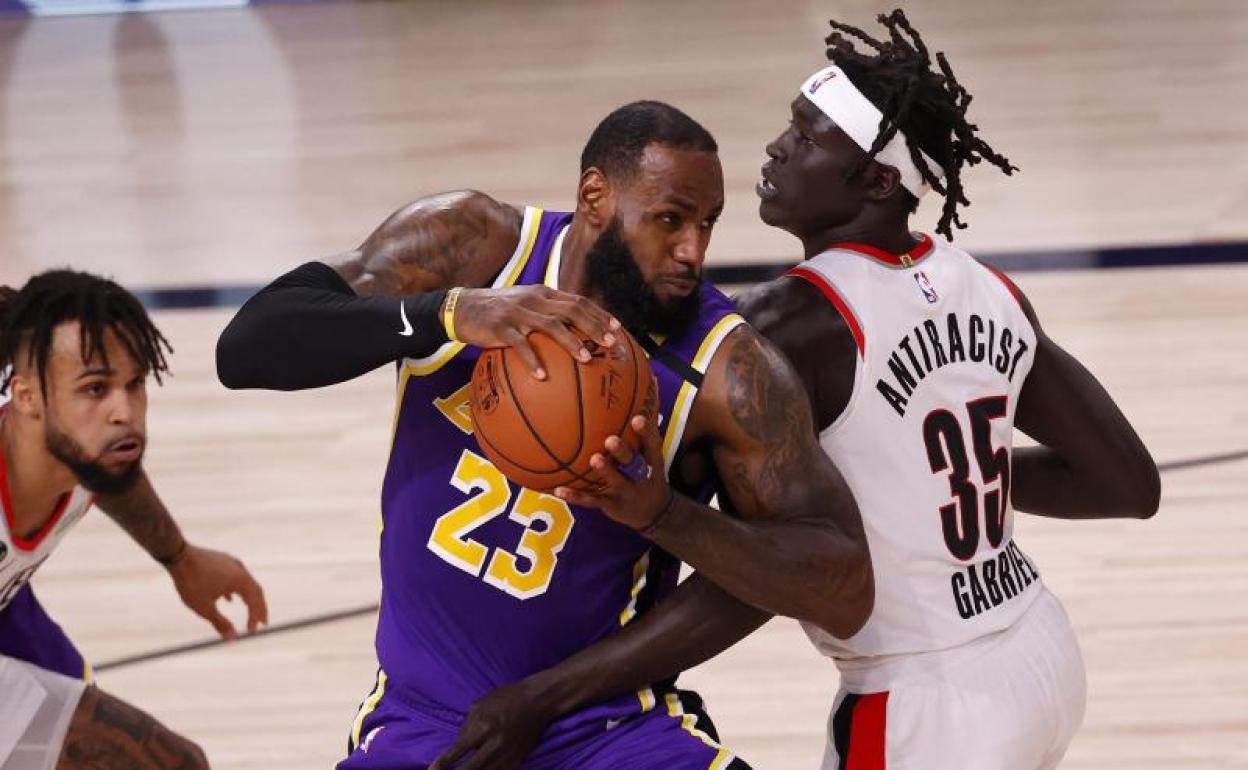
x,y
830,90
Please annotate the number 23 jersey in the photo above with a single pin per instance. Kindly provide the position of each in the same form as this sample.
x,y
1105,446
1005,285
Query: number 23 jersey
x,y
484,581
925,441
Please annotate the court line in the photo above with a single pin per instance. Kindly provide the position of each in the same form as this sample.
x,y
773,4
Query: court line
x,y
331,617
276,628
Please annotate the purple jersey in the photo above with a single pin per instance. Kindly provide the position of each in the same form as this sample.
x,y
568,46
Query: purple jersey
x,y
485,582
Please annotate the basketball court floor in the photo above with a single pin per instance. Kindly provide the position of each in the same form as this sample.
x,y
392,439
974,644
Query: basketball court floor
x,y
197,154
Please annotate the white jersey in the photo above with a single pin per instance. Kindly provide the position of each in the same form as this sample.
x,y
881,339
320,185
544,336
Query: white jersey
x,y
20,557
924,444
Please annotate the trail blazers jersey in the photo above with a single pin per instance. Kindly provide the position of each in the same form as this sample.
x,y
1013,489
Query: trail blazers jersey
x,y
925,442
21,556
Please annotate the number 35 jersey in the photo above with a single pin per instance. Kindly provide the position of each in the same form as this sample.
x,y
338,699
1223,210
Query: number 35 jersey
x,y
485,582
925,441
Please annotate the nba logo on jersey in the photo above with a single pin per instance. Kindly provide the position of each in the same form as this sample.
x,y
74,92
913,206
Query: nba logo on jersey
x,y
925,286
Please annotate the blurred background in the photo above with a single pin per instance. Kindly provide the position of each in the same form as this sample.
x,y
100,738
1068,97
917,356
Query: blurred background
x,y
194,153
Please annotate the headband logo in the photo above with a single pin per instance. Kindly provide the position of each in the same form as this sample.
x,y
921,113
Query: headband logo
x,y
818,83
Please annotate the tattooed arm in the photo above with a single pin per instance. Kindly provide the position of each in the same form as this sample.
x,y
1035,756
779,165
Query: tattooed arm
x,y
799,548
107,733
201,576
319,325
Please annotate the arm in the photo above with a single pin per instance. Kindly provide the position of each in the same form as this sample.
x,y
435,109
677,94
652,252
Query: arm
x,y
1090,462
800,549
692,625
200,575
322,324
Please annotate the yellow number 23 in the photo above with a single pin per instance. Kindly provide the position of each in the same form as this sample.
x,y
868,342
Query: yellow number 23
x,y
450,540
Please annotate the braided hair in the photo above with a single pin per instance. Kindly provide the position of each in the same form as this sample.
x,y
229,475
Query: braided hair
x,y
928,107
29,317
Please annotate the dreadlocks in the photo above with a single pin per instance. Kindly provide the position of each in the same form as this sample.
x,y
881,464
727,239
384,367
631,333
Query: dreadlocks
x,y
29,317
928,107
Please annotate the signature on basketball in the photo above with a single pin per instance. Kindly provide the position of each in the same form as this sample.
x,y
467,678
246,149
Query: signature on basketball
x,y
489,400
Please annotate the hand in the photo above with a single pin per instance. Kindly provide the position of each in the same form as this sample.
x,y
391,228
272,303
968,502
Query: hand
x,y
202,576
494,318
499,733
635,502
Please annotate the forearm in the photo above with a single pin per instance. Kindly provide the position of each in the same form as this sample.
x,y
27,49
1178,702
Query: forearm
x,y
1045,483
696,623
140,512
1090,463
309,329
805,570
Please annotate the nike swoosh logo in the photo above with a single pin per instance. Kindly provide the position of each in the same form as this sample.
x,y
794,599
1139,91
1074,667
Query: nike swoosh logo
x,y
407,326
613,723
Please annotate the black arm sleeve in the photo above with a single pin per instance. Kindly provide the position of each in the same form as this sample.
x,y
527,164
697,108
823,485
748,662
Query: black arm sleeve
x,y
308,329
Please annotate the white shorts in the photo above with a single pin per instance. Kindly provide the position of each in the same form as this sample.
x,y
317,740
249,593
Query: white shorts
x,y
1011,700
36,707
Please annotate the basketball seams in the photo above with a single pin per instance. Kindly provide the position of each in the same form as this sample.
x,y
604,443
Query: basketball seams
x,y
580,406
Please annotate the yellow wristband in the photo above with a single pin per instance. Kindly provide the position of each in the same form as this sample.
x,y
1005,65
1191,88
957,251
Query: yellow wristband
x,y
448,312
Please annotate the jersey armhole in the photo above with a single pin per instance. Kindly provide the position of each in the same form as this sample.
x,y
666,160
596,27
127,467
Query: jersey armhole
x,y
842,307
855,327
1014,292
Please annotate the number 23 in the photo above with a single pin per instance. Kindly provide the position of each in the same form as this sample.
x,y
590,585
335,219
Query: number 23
x,y
450,541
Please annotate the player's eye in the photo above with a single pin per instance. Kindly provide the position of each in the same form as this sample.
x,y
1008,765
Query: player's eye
x,y
669,219
94,389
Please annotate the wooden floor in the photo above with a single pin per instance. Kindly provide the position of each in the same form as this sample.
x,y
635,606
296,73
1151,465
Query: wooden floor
x,y
220,147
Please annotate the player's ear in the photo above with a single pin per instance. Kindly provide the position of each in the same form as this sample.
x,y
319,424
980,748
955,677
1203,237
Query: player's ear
x,y
595,198
882,182
25,397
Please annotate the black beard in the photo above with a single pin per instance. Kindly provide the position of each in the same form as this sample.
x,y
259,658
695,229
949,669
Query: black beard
x,y
614,276
93,476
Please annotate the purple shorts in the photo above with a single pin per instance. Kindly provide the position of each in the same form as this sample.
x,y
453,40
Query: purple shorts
x,y
28,633
399,734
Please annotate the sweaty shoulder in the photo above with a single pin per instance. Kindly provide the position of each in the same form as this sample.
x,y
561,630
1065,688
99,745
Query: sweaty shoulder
x,y
795,317
460,238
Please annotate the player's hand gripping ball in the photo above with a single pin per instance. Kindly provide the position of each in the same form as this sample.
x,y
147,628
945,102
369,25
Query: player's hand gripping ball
x,y
542,433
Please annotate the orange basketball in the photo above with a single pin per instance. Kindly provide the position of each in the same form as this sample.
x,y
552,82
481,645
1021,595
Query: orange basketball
x,y
541,433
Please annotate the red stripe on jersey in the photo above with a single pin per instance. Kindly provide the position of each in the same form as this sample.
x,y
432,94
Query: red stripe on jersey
x,y
866,733
908,259
6,502
823,286
1008,284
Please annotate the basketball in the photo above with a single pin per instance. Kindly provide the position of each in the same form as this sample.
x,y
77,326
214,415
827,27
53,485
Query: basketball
x,y
541,433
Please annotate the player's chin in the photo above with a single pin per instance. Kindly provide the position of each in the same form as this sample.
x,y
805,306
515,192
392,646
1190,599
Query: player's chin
x,y
771,211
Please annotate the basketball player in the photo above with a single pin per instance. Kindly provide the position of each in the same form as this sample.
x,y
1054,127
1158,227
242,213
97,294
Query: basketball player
x,y
919,362
477,594
75,353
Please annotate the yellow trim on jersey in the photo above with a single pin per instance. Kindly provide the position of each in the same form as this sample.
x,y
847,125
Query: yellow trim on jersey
x,y
645,695
367,707
551,278
88,673
647,698
684,399
688,723
639,582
